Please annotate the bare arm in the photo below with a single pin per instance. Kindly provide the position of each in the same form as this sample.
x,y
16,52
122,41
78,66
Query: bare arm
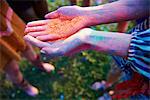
x,y
86,39
109,42
121,10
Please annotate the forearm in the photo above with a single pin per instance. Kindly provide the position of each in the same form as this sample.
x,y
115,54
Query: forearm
x,y
109,42
121,10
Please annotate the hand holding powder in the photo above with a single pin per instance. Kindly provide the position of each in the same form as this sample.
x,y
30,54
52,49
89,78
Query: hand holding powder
x,y
54,29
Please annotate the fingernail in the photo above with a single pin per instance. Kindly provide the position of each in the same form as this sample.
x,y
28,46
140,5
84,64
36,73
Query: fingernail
x,y
29,23
26,30
46,16
43,52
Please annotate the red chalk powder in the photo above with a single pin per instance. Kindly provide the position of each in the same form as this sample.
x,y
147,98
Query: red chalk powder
x,y
64,27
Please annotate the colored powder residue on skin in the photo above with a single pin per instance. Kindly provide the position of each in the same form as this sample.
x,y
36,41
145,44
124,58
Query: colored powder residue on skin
x,y
64,27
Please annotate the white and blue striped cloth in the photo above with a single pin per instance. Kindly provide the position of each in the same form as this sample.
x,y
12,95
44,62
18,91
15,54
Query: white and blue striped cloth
x,y
139,51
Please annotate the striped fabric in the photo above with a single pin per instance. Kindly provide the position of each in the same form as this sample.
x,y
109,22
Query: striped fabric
x,y
139,51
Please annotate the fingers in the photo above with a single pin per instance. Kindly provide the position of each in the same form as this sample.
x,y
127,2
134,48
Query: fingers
x,y
37,23
51,52
35,41
35,34
52,15
61,48
49,37
56,49
44,36
34,29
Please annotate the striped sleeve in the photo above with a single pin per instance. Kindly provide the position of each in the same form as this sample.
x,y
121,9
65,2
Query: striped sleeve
x,y
139,52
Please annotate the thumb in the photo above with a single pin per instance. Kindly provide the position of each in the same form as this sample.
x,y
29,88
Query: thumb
x,y
52,15
51,52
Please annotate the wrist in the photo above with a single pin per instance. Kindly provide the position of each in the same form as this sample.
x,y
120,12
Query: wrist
x,y
84,34
81,35
93,14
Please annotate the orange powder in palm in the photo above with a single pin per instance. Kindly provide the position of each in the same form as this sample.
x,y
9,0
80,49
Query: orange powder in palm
x,y
64,27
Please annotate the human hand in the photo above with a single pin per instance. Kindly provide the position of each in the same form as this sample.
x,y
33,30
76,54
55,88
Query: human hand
x,y
67,12
90,15
85,16
54,29
69,46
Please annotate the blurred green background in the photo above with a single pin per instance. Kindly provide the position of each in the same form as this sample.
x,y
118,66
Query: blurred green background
x,y
72,77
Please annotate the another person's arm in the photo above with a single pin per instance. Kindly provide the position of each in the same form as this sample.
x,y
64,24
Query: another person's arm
x,y
121,10
86,39
109,42
118,11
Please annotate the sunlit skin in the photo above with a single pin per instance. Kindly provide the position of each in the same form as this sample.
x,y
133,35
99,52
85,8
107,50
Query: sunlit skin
x,y
106,42
54,29
121,10
85,39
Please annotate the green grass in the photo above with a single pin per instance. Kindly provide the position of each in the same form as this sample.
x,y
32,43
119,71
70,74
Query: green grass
x,y
72,78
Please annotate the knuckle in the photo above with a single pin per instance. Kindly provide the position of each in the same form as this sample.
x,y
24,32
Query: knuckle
x,y
61,52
